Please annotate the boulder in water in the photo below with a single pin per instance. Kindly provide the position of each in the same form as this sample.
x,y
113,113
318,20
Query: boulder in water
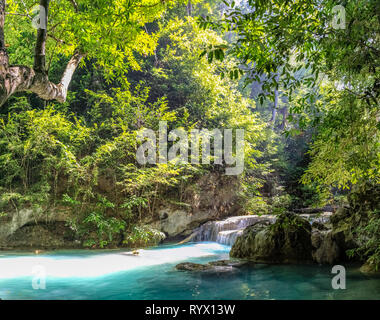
x,y
190,266
220,266
286,241
228,263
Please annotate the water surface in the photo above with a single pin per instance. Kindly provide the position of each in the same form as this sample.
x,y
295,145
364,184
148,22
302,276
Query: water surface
x,y
117,274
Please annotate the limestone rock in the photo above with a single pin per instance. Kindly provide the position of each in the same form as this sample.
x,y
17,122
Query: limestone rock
x,y
47,236
288,240
326,249
212,197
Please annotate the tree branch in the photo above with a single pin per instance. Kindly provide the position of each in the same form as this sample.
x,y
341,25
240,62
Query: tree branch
x,y
49,91
22,78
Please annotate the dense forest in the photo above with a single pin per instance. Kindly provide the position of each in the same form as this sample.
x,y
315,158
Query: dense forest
x,y
80,80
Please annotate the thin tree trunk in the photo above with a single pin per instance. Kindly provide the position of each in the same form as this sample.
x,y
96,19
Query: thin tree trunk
x,y
284,112
274,110
189,8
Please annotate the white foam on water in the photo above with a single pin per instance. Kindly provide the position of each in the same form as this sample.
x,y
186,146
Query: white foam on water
x,y
101,264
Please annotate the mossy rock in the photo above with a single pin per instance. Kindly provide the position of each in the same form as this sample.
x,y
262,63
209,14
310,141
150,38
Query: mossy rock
x,y
288,240
369,267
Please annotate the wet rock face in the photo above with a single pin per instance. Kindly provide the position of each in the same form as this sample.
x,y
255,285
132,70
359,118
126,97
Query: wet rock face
x,y
325,247
288,240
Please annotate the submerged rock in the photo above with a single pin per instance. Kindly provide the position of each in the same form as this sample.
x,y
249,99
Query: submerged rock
x,y
190,266
228,263
288,240
220,266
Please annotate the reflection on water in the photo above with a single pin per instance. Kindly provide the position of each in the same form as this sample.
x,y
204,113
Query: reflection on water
x,y
151,275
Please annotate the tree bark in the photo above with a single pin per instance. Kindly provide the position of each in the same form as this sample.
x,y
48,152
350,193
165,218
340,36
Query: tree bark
x,y
274,110
284,112
189,8
15,78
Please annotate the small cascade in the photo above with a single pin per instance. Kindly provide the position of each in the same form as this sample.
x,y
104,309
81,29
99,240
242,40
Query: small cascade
x,y
227,231
321,218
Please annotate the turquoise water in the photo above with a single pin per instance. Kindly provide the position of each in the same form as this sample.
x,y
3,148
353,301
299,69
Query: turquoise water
x,y
117,274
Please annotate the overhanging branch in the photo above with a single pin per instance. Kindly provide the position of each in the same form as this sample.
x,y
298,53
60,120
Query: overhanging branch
x,y
23,78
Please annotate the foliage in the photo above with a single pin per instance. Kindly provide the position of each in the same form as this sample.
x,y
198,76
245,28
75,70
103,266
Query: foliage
x,y
369,236
273,40
85,158
111,32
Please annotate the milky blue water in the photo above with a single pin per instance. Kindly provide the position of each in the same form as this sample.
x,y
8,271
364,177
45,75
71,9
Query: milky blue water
x,y
117,274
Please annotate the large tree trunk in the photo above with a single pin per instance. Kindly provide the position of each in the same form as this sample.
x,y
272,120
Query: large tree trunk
x,y
22,78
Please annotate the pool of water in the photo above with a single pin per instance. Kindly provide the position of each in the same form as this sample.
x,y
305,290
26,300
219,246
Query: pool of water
x,y
117,274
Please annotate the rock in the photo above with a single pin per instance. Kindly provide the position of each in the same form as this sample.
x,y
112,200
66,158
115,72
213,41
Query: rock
x,y
339,215
212,197
326,249
343,226
369,267
318,225
228,230
27,227
228,263
316,238
211,268
288,240
53,235
189,266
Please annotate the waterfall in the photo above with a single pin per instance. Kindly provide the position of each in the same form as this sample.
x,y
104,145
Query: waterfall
x,y
313,217
227,231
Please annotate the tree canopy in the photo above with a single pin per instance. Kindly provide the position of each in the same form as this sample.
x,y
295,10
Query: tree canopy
x,y
111,32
